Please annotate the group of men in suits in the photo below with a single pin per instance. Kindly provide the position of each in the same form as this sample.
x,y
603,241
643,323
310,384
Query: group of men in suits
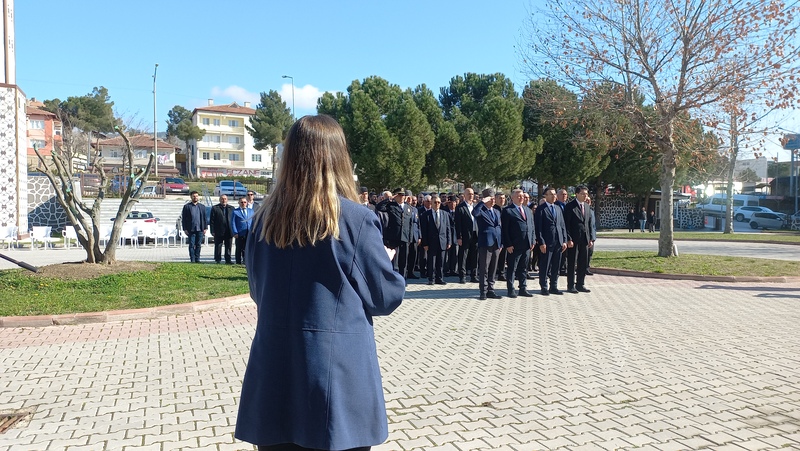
x,y
227,223
485,239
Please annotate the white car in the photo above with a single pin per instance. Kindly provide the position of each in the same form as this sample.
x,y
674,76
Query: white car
x,y
767,220
743,214
142,219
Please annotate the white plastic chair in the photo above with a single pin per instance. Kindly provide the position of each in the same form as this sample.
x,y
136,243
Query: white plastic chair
x,y
69,235
8,236
104,235
129,233
40,234
164,233
148,231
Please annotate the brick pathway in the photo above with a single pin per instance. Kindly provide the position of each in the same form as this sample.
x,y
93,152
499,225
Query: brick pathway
x,y
637,364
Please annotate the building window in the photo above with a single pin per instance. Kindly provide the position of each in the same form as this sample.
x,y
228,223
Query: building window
x,y
57,130
113,153
36,125
217,138
39,143
216,122
233,123
233,156
234,139
216,156
206,155
256,157
206,121
140,154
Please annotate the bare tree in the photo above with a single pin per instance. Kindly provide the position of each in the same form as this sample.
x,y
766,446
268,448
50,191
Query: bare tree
x,y
85,218
686,57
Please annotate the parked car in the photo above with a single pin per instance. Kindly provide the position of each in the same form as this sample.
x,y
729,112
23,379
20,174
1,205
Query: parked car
x,y
175,185
718,202
767,220
230,188
743,214
151,191
119,183
141,218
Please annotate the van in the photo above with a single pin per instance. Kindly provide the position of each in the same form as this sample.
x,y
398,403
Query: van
x,y
717,202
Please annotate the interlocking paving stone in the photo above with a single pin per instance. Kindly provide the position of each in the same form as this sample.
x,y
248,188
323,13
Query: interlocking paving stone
x,y
637,364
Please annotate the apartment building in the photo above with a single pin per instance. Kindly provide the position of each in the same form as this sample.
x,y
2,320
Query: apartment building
x,y
44,129
227,149
112,151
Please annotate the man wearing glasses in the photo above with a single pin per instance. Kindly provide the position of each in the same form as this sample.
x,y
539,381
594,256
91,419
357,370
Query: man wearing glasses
x,y
240,226
251,196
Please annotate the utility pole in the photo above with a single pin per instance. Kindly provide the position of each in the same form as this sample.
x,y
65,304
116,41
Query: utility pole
x,y
155,123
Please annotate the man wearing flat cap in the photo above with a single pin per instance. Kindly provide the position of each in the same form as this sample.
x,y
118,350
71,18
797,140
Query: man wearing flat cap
x,y
363,197
398,232
489,243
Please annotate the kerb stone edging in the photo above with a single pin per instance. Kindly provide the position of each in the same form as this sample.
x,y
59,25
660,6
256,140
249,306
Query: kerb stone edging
x,y
653,275
123,315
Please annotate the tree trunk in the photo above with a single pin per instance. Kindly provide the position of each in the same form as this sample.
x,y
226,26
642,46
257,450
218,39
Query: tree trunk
x,y
731,168
666,243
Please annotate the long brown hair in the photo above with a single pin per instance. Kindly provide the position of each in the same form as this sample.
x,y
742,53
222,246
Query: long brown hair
x,y
315,170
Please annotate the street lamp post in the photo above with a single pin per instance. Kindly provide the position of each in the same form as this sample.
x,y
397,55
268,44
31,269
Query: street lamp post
x,y
292,78
155,123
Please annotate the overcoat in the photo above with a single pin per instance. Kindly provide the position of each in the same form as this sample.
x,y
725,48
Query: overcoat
x,y
313,377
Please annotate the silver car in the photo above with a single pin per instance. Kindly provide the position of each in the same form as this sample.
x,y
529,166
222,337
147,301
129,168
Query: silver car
x,y
761,220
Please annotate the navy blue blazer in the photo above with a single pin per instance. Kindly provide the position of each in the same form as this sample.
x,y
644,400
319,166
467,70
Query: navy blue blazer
x,y
550,229
313,377
516,231
240,224
437,238
488,221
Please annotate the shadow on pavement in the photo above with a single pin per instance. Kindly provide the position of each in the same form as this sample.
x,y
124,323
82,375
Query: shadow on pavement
x,y
747,288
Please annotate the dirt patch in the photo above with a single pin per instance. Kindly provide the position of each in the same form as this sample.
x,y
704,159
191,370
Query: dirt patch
x,y
83,270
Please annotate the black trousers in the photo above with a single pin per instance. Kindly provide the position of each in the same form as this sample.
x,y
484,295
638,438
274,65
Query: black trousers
x,y
577,262
501,263
435,264
219,241
411,260
487,267
517,268
422,260
468,257
241,242
293,447
451,259
549,263
400,259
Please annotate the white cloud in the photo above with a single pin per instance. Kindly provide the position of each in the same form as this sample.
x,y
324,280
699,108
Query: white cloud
x,y
305,97
236,94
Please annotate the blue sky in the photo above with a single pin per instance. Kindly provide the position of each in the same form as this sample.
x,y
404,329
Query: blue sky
x,y
232,50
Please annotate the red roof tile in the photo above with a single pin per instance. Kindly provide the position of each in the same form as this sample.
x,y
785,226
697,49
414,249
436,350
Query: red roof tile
x,y
230,108
137,141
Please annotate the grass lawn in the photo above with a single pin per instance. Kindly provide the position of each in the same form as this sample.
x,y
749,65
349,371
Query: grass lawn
x,y
24,293
773,236
707,265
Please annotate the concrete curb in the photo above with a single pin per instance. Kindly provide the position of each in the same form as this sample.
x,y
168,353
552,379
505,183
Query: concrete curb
x,y
123,315
787,243
653,275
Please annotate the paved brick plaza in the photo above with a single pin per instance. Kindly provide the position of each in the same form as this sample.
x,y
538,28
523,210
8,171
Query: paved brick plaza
x,y
637,364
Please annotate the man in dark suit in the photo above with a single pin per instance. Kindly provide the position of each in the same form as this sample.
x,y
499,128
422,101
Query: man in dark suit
x,y
500,201
220,223
436,227
466,238
363,197
451,257
413,245
578,221
551,238
561,200
193,223
594,236
518,237
489,243
422,255
399,228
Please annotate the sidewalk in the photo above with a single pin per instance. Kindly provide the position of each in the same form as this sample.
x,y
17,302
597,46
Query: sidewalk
x,y
639,364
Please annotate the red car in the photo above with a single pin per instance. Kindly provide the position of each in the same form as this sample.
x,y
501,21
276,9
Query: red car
x,y
175,185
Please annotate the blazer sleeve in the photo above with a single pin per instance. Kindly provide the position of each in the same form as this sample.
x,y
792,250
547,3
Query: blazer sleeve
x,y
381,288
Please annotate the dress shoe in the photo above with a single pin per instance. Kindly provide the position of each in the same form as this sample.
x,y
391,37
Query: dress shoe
x,y
441,282
493,295
556,291
412,276
473,280
525,293
589,273
482,297
544,292
501,278
583,289
572,290
462,280
430,282
512,294
562,273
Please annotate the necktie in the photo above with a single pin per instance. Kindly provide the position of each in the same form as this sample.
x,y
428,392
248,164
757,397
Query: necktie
x,y
245,213
582,212
552,210
522,212
436,215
